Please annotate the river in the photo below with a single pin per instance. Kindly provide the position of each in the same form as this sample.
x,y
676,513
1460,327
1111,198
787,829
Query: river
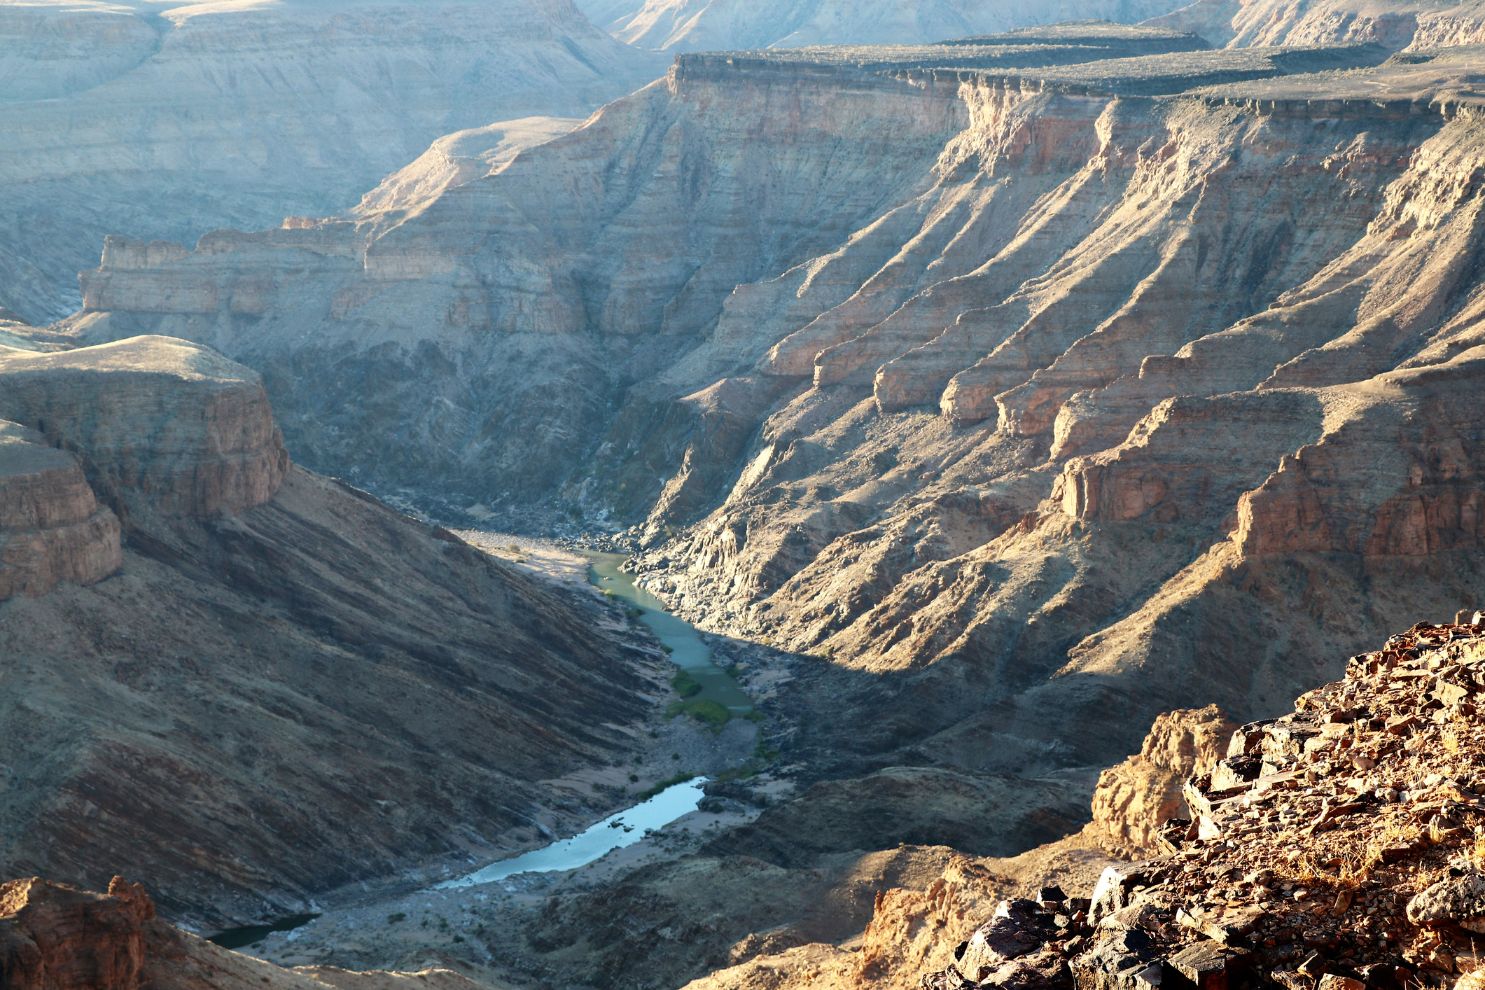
x,y
714,686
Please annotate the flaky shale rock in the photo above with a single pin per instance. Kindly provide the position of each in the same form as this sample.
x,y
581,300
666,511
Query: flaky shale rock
x,y
1335,847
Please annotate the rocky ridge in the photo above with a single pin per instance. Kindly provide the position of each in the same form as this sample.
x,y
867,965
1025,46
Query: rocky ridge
x,y
1334,847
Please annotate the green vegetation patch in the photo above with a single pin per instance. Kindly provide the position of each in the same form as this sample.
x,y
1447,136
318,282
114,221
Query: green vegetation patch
x,y
685,685
668,782
712,714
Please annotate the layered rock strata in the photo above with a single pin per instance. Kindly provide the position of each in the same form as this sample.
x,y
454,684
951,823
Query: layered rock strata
x,y
1005,379
283,686
210,444
52,528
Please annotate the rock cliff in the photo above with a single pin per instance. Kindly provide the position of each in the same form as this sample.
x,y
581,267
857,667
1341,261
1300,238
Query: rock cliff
x,y
172,119
54,937
211,445
253,684
52,528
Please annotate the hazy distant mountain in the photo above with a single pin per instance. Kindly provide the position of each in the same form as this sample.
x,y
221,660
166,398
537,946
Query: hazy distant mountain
x,y
168,119
694,25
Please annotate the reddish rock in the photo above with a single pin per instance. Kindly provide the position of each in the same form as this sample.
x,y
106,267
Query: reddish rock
x,y
58,938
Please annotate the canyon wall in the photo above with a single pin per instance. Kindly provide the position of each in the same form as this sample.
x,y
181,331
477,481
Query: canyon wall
x,y
1028,378
253,684
52,528
172,119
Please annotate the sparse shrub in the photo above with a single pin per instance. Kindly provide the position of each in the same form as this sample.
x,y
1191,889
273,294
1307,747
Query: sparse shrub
x,y
685,685
709,713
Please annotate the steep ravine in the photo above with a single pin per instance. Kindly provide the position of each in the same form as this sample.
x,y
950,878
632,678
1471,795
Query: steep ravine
x,y
250,684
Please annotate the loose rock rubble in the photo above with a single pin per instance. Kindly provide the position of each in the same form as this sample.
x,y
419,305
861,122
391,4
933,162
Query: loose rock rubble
x,y
1336,848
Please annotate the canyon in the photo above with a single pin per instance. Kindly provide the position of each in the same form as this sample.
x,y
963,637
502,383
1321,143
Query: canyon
x,y
995,408
954,412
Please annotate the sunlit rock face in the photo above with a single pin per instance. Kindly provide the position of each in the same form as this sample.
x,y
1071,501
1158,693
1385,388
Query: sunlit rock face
x,y
162,425
700,25
168,119
52,528
1023,378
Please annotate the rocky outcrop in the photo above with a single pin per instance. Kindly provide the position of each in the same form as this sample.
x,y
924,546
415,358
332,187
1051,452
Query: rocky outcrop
x,y
931,923
437,699
57,938
161,425
54,937
1134,799
52,528
1332,847
169,120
